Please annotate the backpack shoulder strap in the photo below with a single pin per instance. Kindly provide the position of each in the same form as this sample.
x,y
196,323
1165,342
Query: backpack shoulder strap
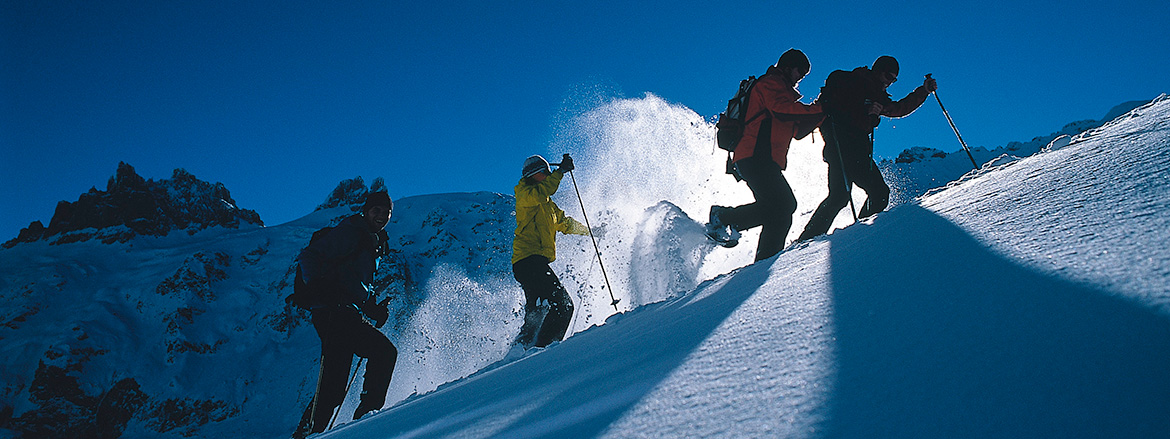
x,y
765,112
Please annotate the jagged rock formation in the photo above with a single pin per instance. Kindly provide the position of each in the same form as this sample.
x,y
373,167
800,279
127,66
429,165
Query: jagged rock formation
x,y
351,192
132,206
919,153
190,336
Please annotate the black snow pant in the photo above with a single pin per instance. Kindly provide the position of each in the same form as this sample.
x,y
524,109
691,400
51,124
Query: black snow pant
x,y
543,324
773,209
344,333
861,171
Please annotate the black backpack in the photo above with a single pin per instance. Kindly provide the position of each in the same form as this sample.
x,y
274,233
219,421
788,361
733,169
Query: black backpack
x,y
320,293
731,123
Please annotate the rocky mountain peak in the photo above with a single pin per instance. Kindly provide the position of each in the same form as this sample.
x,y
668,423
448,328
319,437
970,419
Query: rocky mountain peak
x,y
133,206
351,192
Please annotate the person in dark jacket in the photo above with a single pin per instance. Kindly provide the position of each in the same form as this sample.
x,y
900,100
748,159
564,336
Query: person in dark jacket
x,y
346,257
854,102
775,116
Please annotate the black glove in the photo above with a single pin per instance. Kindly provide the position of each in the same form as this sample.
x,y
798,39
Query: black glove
x,y
383,246
379,312
566,163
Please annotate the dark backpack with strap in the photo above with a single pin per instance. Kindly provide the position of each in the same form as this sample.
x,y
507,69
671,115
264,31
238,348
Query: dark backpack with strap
x,y
320,292
731,123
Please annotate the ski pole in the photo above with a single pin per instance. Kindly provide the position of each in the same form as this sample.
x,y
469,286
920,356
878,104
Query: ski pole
x,y
351,380
848,184
317,394
956,130
596,250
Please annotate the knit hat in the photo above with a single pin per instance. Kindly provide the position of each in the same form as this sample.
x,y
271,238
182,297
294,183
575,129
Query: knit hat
x,y
535,164
885,63
377,199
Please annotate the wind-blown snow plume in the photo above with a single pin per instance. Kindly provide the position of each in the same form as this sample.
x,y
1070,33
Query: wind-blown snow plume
x,y
632,155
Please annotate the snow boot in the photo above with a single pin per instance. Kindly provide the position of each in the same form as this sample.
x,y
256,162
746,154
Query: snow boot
x,y
367,405
723,234
556,323
533,319
305,427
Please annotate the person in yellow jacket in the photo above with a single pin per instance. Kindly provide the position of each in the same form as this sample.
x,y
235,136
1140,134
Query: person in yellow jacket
x,y
548,308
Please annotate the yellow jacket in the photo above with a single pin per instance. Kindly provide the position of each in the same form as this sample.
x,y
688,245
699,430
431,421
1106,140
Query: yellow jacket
x,y
538,219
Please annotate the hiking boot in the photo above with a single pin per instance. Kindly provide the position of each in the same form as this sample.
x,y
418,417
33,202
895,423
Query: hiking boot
x,y
718,231
365,408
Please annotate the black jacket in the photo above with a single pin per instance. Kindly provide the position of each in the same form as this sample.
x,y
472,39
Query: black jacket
x,y
844,100
352,249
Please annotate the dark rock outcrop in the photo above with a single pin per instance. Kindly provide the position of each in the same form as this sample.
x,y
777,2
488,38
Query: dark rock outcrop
x,y
132,206
918,153
351,192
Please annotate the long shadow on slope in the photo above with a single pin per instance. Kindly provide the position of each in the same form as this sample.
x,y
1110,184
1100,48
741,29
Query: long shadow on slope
x,y
940,337
581,387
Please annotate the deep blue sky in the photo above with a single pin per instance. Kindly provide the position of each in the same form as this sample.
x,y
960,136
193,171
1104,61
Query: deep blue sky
x,y
281,100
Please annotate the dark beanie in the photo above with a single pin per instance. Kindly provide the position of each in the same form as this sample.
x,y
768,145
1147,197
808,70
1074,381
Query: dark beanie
x,y
377,199
885,63
794,58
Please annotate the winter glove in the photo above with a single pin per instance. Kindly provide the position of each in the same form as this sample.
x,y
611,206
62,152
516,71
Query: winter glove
x,y
574,227
566,163
383,246
379,312
929,84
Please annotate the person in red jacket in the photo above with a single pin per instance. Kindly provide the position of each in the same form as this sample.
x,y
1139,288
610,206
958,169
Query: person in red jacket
x,y
775,116
853,102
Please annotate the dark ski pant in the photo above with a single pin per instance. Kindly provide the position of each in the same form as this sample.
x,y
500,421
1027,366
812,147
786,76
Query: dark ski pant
x,y
861,171
773,209
540,283
344,333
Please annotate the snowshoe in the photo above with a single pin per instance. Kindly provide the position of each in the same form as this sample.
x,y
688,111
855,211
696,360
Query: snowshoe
x,y
719,232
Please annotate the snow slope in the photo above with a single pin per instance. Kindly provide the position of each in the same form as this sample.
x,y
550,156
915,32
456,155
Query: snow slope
x,y
1028,300
1036,283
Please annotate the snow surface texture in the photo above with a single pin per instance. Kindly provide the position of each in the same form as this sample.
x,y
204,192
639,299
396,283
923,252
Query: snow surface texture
x,y
975,313
1029,299
920,169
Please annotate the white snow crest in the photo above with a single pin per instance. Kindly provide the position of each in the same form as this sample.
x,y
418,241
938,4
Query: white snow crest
x,y
668,252
632,154
462,326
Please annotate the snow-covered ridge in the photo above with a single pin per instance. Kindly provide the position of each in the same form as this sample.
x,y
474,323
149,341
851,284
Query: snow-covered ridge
x,y
919,169
1028,300
185,334
132,206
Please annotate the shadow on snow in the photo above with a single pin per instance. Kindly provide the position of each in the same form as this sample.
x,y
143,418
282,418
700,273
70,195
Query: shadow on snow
x,y
941,337
603,385
937,336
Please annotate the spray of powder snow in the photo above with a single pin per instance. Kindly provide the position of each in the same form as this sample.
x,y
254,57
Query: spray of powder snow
x,y
648,173
464,325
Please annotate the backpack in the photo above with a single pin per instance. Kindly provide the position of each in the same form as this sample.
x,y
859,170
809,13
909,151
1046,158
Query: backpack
x,y
731,123
306,296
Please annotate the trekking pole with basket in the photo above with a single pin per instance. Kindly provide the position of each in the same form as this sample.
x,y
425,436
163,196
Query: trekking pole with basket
x,y
596,249
347,386
845,175
956,130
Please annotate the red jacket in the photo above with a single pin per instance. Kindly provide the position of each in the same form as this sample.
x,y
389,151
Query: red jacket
x,y
773,105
